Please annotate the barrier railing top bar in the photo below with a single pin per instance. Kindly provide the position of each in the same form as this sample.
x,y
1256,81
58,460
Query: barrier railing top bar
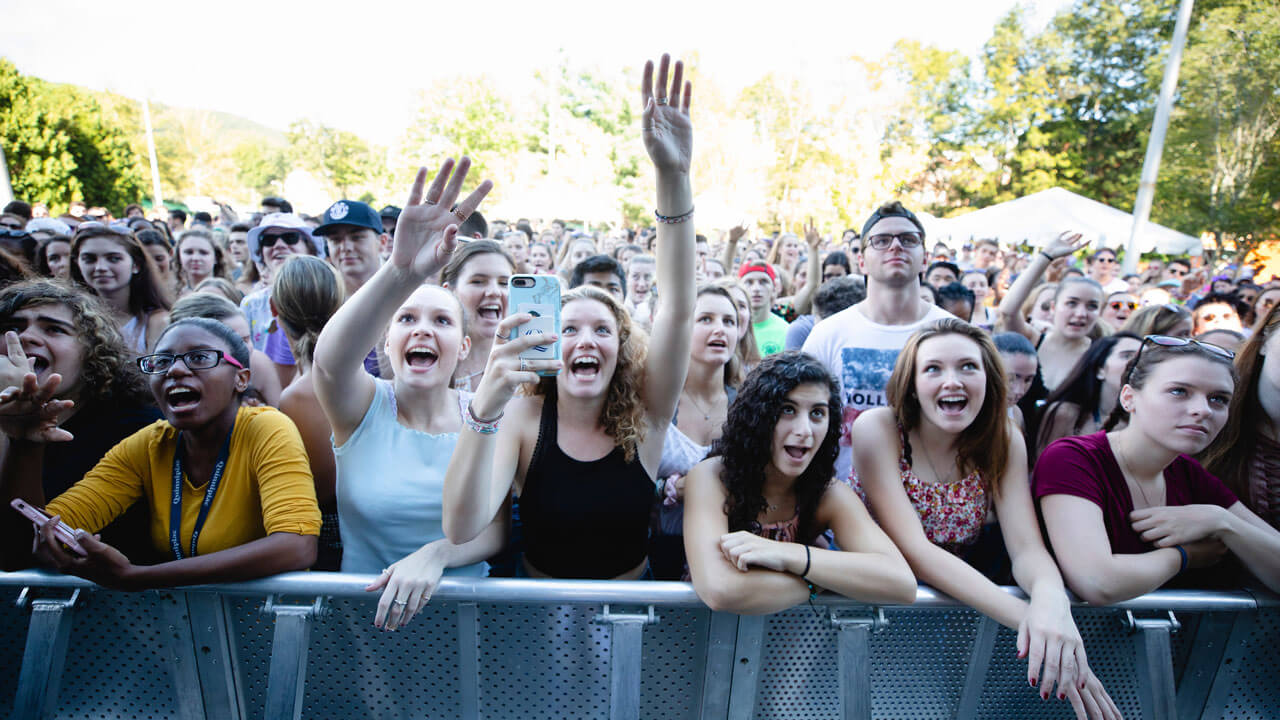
x,y
640,592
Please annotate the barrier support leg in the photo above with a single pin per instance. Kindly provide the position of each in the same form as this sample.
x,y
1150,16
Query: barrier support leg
x,y
718,672
984,643
1242,634
854,651
1156,692
287,679
44,656
746,666
1207,650
625,637
469,660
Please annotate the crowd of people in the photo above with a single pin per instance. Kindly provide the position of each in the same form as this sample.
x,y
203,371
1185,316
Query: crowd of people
x,y
212,399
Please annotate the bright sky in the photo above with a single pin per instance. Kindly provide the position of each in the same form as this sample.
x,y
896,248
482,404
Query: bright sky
x,y
358,65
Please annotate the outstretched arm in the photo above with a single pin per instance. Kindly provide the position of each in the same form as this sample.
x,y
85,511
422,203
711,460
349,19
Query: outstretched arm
x,y
731,247
668,138
484,465
1011,307
803,300
425,236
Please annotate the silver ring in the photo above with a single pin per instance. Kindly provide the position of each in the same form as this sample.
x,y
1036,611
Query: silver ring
x,y
428,202
662,101
524,365
400,602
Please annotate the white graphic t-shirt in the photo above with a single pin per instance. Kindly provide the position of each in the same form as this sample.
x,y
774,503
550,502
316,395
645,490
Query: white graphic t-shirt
x,y
861,355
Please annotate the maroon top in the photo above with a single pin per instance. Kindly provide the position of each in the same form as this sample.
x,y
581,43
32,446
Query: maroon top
x,y
1084,466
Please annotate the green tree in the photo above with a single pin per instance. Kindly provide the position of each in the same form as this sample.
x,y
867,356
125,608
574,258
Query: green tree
x,y
339,156
260,167
1224,140
61,145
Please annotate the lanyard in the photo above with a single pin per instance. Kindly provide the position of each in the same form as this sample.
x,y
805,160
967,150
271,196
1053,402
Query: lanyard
x,y
175,503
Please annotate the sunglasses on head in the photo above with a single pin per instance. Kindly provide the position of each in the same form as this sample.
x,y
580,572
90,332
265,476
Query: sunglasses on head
x,y
293,237
1170,341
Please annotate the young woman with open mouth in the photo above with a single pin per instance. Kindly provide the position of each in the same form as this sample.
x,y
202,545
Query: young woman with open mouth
x,y
934,463
61,330
112,264
208,447
393,438
582,451
1077,304
1128,510
709,389
756,510
478,273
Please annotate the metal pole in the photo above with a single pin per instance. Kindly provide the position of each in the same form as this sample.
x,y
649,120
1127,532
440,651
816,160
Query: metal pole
x,y
6,189
157,202
1155,145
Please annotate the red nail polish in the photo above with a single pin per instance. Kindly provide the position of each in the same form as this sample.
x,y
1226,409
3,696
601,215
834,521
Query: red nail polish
x,y
1033,682
1062,696
1044,695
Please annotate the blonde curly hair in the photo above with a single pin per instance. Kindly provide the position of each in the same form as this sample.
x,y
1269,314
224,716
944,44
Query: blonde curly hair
x,y
623,414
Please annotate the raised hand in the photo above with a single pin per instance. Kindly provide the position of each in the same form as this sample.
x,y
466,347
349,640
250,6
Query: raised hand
x,y
14,364
812,237
427,230
668,134
737,231
28,410
1065,244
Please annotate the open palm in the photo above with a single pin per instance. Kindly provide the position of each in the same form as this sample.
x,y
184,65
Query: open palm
x,y
426,232
668,133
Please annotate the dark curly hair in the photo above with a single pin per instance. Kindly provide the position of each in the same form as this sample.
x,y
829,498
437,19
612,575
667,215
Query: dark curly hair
x,y
107,371
746,444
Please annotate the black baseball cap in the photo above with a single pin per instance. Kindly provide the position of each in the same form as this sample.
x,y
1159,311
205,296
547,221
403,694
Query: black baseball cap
x,y
390,212
349,212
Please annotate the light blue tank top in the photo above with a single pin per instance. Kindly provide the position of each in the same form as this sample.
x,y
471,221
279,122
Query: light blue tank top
x,y
390,488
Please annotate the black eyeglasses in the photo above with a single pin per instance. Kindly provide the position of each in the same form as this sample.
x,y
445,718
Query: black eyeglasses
x,y
907,240
289,238
202,359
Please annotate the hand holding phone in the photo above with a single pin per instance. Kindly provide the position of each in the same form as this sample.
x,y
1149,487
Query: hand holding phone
x,y
63,532
539,296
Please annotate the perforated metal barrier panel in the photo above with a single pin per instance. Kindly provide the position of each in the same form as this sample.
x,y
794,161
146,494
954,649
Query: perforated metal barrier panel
x,y
528,658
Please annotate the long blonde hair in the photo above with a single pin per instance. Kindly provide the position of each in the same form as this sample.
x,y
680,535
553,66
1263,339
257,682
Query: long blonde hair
x,y
623,414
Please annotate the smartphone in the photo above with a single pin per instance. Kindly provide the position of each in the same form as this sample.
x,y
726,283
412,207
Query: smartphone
x,y
538,295
63,532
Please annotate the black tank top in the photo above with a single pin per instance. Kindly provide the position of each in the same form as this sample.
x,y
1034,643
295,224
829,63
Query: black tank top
x,y
585,520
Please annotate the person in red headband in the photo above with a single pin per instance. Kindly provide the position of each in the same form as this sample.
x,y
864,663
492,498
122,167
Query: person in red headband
x,y
761,284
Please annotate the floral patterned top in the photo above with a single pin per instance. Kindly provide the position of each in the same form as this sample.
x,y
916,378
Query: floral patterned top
x,y
952,514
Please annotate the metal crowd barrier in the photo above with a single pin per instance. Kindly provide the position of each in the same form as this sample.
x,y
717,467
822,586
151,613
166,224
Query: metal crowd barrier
x,y
303,645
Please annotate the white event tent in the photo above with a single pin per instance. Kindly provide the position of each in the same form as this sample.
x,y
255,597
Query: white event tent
x,y
1040,217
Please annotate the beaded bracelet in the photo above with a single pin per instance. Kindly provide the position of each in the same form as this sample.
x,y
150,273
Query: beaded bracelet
x,y
673,219
484,427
